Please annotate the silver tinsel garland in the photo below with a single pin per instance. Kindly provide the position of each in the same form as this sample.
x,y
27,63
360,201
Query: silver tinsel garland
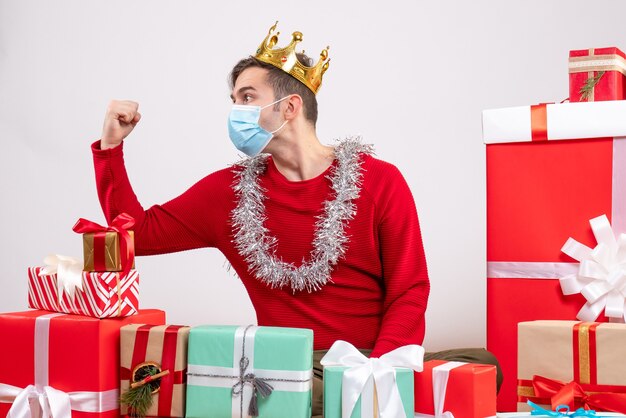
x,y
258,248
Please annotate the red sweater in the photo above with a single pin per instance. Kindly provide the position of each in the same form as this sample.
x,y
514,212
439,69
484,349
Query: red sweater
x,y
379,290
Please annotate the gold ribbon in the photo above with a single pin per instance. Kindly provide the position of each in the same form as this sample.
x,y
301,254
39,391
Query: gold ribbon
x,y
590,63
119,294
584,359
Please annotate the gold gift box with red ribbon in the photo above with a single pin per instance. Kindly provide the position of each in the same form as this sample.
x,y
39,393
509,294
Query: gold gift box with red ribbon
x,y
101,251
597,74
109,248
579,364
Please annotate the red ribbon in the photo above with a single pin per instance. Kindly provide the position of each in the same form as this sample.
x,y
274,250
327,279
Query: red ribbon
x,y
168,362
120,224
178,377
573,395
539,122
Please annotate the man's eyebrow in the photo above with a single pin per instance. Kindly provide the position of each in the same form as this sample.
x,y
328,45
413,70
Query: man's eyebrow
x,y
242,90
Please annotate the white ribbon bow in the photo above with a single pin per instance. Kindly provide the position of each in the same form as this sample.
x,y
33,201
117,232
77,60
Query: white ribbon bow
x,y
31,402
48,402
362,369
69,271
601,276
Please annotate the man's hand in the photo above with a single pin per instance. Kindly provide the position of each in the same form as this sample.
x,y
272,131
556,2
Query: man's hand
x,y
120,119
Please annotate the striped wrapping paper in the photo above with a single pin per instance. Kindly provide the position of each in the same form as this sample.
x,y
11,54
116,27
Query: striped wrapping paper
x,y
103,294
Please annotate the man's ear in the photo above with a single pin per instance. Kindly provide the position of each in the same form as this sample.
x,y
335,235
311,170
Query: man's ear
x,y
294,107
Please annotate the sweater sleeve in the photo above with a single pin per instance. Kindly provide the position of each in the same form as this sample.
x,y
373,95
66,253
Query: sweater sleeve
x,y
405,276
183,223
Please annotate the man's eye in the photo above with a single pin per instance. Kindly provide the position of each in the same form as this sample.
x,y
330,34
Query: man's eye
x,y
247,98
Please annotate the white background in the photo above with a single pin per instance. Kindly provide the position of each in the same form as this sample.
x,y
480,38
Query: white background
x,y
412,77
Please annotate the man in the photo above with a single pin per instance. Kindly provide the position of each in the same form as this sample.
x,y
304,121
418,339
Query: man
x,y
322,237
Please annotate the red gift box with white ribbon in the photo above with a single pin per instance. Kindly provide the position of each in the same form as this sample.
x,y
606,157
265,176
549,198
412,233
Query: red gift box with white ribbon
x,y
550,169
62,365
454,388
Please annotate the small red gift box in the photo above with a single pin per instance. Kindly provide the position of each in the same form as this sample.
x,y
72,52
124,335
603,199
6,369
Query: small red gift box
x,y
102,295
597,74
550,169
67,364
466,390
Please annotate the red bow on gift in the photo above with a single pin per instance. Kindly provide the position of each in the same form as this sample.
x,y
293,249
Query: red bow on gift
x,y
573,395
120,224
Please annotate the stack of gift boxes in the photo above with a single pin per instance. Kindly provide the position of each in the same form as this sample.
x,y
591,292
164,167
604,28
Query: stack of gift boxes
x,y
87,350
556,249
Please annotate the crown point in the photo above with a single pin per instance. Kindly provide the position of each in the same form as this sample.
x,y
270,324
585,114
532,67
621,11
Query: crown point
x,y
273,41
297,36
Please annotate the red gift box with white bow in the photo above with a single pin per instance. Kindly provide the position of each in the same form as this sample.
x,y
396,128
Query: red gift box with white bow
x,y
550,169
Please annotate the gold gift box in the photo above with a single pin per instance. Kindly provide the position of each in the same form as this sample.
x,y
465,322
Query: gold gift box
x,y
112,258
546,348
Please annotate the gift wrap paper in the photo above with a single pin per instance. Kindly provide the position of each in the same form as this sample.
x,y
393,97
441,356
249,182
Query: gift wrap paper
x,y
333,376
109,253
470,390
550,169
69,353
592,354
165,346
103,294
272,352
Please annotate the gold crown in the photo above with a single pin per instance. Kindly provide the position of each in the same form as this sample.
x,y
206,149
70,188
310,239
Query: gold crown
x,y
285,59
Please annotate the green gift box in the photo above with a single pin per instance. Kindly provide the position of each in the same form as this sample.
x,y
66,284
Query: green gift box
x,y
333,376
233,369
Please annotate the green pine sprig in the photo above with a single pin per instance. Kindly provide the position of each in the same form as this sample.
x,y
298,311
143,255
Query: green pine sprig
x,y
139,399
586,90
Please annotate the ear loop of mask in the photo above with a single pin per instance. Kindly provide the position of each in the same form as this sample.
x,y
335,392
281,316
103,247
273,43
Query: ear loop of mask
x,y
286,120
279,100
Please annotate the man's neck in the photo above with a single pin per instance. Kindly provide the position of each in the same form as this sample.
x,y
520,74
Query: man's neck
x,y
301,159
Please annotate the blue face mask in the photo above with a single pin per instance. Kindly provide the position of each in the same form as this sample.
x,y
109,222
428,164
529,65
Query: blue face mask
x,y
244,129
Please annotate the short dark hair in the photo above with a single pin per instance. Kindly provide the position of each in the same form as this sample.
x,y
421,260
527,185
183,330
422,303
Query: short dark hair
x,y
281,82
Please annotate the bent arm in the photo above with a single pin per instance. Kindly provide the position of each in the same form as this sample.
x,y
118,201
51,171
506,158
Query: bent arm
x,y
405,276
183,223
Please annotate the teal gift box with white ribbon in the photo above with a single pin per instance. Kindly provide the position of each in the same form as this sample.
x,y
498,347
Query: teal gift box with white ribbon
x,y
239,371
359,387
365,406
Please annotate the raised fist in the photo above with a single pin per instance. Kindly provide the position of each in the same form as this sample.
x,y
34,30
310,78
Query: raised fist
x,y
120,119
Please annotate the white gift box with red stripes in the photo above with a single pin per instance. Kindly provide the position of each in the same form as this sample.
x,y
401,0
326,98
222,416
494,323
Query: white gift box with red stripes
x,y
101,294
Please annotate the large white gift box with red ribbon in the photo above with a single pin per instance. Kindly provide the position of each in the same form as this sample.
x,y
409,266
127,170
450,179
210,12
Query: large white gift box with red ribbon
x,y
53,364
550,170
